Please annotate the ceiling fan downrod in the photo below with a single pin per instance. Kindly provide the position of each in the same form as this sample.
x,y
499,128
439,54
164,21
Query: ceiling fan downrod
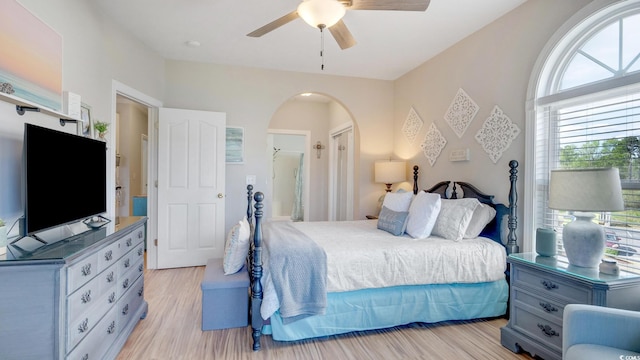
x,y
321,27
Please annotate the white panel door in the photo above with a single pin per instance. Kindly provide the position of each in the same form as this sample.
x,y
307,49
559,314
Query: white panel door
x,y
191,174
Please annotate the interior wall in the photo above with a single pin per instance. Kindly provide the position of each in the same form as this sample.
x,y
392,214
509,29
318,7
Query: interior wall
x,y
133,124
493,67
95,51
250,97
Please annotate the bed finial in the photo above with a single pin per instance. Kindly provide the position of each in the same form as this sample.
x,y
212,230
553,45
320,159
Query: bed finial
x,y
415,179
512,239
249,208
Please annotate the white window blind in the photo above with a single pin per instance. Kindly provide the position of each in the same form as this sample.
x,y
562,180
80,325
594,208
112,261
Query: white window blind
x,y
599,130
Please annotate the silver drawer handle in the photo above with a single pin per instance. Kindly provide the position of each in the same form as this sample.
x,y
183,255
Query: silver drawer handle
x,y
110,277
85,357
548,331
125,284
548,307
129,242
125,309
108,255
86,270
127,263
84,326
141,291
111,328
548,285
112,298
86,297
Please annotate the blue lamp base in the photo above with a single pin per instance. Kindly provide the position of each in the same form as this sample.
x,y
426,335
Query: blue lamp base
x,y
584,241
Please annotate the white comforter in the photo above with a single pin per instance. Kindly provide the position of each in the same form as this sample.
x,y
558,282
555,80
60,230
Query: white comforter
x,y
360,256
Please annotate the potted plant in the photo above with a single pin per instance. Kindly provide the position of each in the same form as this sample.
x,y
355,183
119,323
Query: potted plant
x,y
101,127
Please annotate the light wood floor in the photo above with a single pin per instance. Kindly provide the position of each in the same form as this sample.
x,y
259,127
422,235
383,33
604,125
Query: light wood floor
x,y
172,330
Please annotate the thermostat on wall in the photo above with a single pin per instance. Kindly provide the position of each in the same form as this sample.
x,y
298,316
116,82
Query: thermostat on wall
x,y
459,155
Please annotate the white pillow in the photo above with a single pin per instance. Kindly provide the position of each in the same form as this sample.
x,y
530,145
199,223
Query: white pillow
x,y
454,218
398,201
482,215
423,213
237,247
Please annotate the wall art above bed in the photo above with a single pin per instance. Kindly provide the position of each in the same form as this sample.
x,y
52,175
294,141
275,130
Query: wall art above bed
x,y
433,144
412,125
461,112
497,133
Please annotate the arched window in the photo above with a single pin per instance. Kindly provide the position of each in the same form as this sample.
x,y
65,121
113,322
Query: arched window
x,y
586,112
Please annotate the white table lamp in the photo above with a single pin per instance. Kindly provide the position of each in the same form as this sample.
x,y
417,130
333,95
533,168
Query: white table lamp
x,y
584,191
390,171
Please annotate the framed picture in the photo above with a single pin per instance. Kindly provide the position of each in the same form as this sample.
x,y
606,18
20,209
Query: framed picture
x,y
85,127
235,145
31,57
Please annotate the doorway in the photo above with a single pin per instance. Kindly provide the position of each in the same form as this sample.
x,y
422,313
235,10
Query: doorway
x,y
341,170
289,172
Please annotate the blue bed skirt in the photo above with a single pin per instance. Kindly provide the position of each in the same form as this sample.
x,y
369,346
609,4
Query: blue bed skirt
x,y
383,308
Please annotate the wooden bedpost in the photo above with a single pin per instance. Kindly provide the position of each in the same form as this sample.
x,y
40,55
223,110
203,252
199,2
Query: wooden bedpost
x,y
512,239
415,179
256,273
249,208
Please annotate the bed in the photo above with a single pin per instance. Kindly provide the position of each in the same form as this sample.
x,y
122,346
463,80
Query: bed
x,y
365,278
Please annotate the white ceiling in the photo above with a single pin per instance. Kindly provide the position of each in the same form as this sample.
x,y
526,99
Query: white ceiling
x,y
390,43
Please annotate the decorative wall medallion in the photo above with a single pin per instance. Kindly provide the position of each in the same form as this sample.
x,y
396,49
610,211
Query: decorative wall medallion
x,y
497,133
433,143
461,112
412,125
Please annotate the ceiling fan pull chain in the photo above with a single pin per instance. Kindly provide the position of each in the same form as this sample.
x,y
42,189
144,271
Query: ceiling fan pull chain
x,y
321,27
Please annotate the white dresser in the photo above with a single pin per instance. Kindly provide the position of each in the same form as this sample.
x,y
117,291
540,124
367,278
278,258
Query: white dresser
x,y
76,299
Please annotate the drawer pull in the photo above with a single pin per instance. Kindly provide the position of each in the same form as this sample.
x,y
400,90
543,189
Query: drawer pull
x,y
86,270
125,309
141,267
86,297
85,357
110,277
140,251
140,235
548,331
84,326
141,291
112,298
548,307
111,328
127,263
548,285
125,284
108,255
129,242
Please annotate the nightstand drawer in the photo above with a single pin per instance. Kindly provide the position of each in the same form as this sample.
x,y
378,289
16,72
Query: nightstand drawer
x,y
534,303
546,286
544,330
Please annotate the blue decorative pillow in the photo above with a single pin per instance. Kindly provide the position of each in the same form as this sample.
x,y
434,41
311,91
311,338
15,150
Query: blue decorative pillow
x,y
393,222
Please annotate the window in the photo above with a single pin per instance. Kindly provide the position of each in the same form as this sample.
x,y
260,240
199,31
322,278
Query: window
x,y
587,114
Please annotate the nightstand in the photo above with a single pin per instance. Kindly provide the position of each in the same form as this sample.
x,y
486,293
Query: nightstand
x,y
541,286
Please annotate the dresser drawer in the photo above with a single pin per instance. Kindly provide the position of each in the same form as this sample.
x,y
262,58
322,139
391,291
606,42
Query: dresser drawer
x,y
130,302
83,325
128,278
97,342
109,256
547,286
81,272
546,331
523,298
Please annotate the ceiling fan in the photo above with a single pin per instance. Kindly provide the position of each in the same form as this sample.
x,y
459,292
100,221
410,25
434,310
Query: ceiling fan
x,y
328,14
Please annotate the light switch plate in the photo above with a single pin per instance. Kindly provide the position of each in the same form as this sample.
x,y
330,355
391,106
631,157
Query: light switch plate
x,y
459,155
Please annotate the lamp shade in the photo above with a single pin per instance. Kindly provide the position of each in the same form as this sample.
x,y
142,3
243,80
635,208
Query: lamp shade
x,y
391,171
321,12
586,190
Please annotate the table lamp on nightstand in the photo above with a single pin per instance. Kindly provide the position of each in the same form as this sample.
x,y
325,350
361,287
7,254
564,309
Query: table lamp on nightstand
x,y
584,191
390,171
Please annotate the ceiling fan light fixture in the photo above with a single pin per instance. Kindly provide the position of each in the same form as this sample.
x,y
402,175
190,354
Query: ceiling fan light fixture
x,y
321,12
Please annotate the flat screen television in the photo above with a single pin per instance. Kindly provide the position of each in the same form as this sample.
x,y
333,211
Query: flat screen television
x,y
65,178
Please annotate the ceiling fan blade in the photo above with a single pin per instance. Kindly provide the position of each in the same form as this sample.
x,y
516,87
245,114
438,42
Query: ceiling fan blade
x,y
402,5
342,35
274,24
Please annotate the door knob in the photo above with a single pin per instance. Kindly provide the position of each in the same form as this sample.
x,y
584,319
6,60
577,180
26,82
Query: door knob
x,y
220,196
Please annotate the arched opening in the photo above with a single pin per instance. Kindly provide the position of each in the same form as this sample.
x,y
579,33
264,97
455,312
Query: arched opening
x,y
312,156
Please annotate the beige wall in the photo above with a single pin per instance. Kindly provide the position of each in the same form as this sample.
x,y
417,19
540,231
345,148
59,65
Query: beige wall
x,y
493,67
250,97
